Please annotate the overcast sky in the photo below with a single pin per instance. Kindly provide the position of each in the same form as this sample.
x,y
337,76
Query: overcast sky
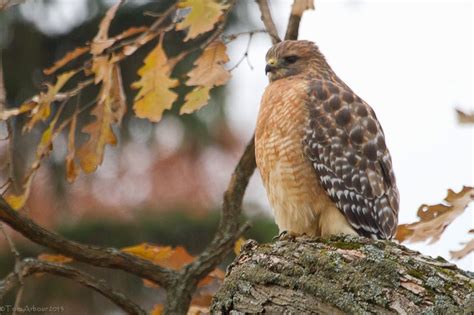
x,y
412,62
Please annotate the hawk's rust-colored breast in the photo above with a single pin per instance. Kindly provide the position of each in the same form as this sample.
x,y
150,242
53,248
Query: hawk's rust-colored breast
x,y
292,186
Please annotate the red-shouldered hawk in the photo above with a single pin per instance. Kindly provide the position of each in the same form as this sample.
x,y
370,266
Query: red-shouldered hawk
x,y
321,151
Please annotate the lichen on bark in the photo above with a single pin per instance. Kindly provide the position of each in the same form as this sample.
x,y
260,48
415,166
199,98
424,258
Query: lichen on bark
x,y
342,274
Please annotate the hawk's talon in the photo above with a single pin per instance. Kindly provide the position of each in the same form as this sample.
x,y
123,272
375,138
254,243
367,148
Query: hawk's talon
x,y
284,236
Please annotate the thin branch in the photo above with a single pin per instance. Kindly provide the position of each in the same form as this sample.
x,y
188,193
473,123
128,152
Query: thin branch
x,y
92,255
297,10
268,21
30,267
228,38
245,56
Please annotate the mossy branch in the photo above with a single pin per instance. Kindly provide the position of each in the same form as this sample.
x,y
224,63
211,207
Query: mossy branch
x,y
342,274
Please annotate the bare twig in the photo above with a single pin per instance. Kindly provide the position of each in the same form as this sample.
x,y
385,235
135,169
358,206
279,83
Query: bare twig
x,y
245,56
30,267
268,21
299,6
92,255
230,37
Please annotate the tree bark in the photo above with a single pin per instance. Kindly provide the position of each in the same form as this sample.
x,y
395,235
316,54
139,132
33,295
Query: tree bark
x,y
342,274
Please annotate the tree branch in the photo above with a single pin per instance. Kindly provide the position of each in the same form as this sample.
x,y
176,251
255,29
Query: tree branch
x,y
268,21
93,255
299,6
30,266
341,275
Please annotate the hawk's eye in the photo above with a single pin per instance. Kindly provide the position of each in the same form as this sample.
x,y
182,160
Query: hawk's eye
x,y
290,59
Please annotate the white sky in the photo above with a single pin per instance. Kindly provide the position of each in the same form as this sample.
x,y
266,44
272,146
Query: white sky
x,y
412,62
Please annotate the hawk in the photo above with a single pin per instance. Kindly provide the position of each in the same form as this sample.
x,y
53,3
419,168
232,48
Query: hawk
x,y
321,151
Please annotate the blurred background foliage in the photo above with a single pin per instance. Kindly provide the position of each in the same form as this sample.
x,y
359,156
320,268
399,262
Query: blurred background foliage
x,y
162,184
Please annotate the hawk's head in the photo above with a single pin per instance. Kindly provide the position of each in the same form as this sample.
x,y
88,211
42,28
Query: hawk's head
x,y
293,57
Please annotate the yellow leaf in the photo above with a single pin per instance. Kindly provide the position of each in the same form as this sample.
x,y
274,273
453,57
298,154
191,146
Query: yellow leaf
x,y
109,110
66,59
150,252
101,41
43,109
18,201
204,14
154,96
238,245
55,258
157,309
195,99
209,67
434,219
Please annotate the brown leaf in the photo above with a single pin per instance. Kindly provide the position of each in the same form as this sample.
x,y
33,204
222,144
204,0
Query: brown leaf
x,y
466,250
102,41
66,59
434,219
155,95
109,110
55,258
465,118
209,67
71,169
204,14
43,108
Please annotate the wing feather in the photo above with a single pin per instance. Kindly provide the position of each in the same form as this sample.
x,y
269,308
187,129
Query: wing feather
x,y
346,145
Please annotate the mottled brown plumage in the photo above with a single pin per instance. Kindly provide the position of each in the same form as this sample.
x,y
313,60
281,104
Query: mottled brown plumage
x,y
321,151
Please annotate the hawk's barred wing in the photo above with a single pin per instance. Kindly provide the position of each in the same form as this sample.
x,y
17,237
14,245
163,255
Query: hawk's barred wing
x,y
346,145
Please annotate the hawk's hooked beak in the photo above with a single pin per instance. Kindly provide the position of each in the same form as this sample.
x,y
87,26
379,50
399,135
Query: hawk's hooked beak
x,y
271,65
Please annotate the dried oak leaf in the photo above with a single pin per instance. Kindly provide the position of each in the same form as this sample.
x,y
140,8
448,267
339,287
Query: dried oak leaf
x,y
208,72
71,169
434,219
68,57
465,118
195,99
109,110
209,67
102,41
155,95
204,14
55,258
466,250
168,257
17,201
43,108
